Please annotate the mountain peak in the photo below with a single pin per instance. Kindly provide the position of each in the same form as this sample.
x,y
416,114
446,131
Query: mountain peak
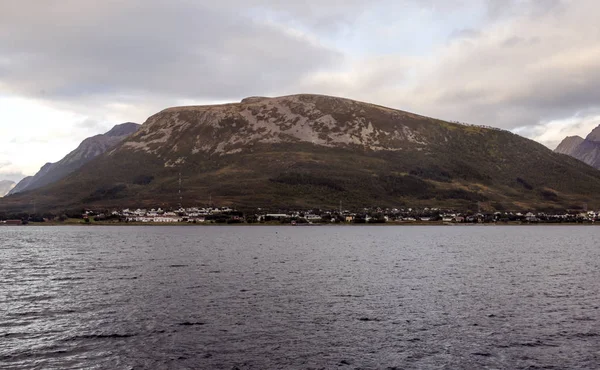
x,y
123,129
85,152
569,144
304,118
586,150
594,135
254,99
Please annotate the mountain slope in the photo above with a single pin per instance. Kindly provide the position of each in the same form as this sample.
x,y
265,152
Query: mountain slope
x,y
5,187
569,144
594,135
586,150
314,151
86,151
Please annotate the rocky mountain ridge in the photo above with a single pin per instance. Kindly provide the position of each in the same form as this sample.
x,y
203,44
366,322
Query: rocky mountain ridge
x,y
586,150
85,152
227,129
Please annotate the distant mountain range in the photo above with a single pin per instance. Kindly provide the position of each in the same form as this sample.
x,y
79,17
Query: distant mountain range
x,y
586,150
89,149
6,186
307,151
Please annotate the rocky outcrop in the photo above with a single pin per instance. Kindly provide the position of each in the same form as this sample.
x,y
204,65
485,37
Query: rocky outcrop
x,y
319,120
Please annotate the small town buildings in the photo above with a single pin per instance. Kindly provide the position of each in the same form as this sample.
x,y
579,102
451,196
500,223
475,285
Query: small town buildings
x,y
277,216
312,218
530,217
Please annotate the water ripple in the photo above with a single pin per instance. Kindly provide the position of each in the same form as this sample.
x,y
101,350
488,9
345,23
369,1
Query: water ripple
x,y
302,298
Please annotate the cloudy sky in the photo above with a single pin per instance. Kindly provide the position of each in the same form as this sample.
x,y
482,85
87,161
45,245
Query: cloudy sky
x,y
70,69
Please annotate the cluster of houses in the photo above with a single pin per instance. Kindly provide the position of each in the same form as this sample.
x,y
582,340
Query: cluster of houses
x,y
158,215
432,215
367,215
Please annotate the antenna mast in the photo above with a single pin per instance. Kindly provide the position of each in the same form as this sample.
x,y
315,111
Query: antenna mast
x,y
180,197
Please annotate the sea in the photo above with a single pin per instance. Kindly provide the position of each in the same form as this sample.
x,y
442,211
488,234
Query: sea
x,y
328,297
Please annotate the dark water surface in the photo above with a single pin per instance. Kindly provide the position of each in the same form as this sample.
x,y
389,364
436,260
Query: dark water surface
x,y
300,297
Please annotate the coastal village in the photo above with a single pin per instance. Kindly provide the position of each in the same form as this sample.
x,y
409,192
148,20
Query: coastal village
x,y
227,215
367,215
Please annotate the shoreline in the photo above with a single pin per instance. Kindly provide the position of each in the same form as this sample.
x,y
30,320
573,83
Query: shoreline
x,y
388,224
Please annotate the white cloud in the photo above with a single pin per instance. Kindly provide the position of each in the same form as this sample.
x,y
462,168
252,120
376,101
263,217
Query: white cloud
x,y
551,133
525,70
32,133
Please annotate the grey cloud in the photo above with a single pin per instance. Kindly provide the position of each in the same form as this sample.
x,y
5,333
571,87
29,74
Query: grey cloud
x,y
518,40
89,124
531,8
12,176
176,48
582,125
7,172
327,16
76,49
550,71
465,33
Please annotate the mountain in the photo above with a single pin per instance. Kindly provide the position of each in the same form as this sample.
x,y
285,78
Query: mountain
x,y
586,150
305,151
87,150
569,144
5,187
594,135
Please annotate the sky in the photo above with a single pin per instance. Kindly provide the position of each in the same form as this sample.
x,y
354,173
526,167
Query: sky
x,y
70,69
